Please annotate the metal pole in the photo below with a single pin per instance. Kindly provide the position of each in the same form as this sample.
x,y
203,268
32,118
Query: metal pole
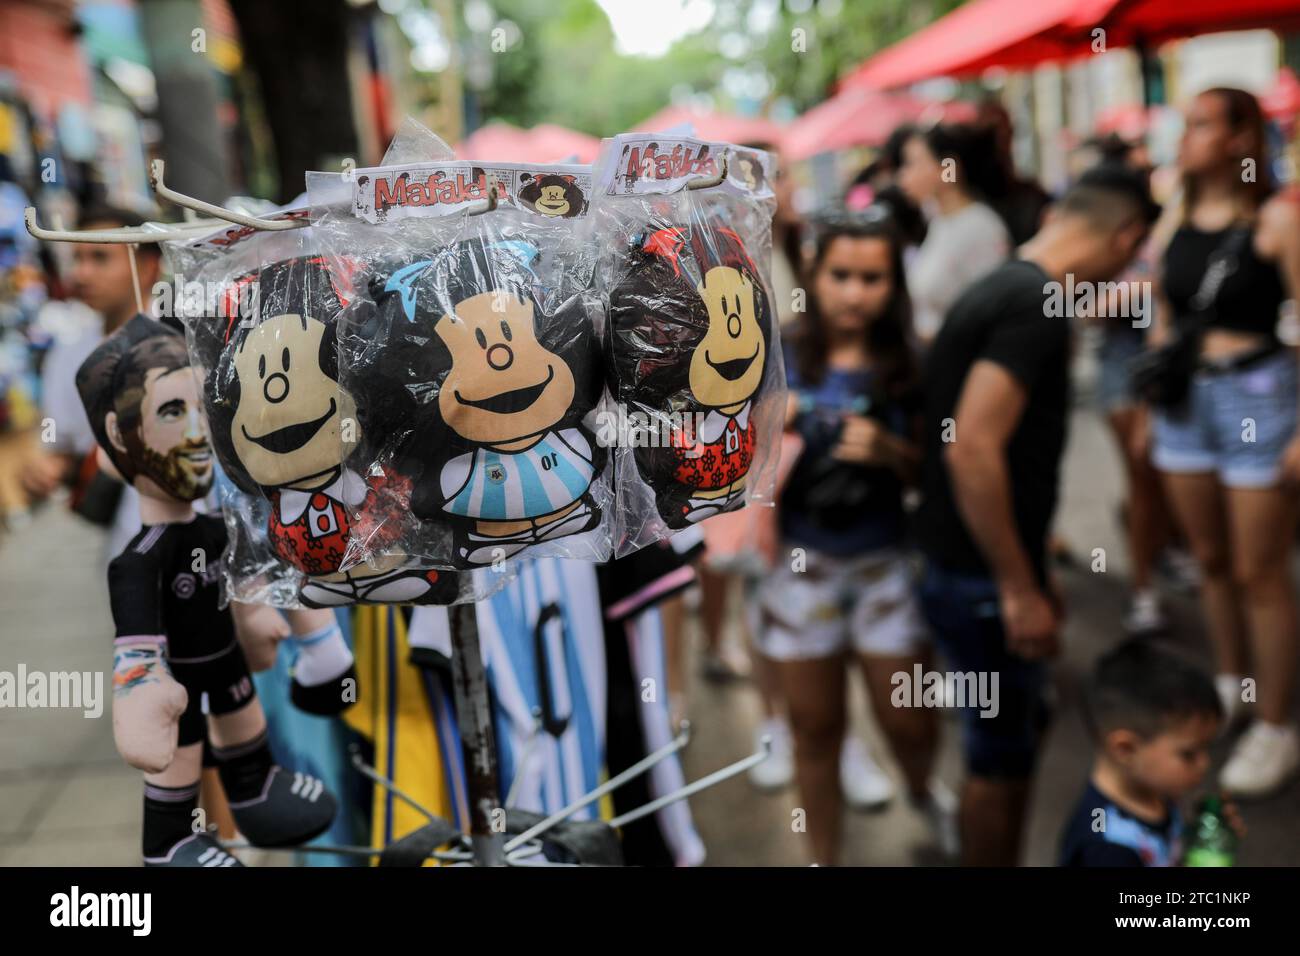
x,y
474,717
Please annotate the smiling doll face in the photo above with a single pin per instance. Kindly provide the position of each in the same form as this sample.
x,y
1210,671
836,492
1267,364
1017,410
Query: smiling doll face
x,y
504,386
553,201
727,365
289,425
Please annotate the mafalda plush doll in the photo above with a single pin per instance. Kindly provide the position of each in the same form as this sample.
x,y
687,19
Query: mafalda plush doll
x,y
283,427
690,331
505,457
175,646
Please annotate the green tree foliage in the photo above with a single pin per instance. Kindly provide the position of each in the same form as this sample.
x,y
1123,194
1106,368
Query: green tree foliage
x,y
834,45
564,67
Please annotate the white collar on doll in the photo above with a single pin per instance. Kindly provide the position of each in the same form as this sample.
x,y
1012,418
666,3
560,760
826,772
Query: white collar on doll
x,y
347,489
715,423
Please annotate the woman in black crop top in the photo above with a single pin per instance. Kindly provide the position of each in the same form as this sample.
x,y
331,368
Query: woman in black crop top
x,y
1230,456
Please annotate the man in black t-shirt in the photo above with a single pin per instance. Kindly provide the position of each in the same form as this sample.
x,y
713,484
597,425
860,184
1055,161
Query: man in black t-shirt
x,y
996,401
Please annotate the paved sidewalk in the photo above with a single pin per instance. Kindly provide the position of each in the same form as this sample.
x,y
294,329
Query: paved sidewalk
x,y
66,798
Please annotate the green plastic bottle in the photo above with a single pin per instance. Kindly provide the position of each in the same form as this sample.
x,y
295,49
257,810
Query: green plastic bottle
x,y
1210,841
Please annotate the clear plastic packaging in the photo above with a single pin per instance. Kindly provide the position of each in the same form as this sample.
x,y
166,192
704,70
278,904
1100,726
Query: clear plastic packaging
x,y
474,343
262,334
693,348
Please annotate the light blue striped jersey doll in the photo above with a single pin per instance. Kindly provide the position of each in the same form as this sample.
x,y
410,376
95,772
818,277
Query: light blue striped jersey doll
x,y
506,457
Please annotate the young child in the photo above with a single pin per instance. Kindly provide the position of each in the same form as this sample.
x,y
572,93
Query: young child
x,y
1153,717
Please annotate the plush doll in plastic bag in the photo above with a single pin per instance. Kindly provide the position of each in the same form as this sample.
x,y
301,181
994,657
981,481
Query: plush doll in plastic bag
x,y
690,337
503,454
282,425
175,646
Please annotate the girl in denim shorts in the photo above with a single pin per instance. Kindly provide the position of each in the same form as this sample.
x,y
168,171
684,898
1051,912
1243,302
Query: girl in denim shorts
x,y
1230,453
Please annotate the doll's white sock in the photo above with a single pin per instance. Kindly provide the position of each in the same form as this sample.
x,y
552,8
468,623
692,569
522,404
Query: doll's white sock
x,y
323,655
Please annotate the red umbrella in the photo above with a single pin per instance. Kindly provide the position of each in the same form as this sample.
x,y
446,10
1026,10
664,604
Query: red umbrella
x,y
862,117
978,35
723,127
559,142
496,140
1016,33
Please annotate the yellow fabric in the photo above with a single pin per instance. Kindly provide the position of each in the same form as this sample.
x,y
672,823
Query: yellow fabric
x,y
394,713
8,129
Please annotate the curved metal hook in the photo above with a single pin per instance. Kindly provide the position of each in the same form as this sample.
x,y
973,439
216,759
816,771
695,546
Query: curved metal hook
x,y
712,180
156,180
190,230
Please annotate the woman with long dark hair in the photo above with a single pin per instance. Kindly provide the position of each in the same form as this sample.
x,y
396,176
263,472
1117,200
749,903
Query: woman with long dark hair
x,y
842,591
953,173
1230,452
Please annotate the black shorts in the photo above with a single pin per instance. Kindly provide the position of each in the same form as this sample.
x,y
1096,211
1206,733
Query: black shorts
x,y
223,677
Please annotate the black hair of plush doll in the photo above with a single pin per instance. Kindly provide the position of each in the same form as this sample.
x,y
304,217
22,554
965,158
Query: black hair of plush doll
x,y
689,340
499,445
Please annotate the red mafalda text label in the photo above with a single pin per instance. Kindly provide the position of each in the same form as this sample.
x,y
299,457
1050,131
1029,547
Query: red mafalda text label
x,y
656,161
418,191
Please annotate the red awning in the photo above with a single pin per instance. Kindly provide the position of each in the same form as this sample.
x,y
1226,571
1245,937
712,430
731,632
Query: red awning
x,y
1022,33
862,117
1155,21
978,35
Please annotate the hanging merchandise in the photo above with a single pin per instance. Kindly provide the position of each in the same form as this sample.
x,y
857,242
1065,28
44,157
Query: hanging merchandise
x,y
476,339
637,640
684,229
408,720
406,379
266,342
176,654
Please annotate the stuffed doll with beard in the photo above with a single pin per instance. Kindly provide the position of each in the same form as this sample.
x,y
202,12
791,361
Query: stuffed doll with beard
x,y
175,645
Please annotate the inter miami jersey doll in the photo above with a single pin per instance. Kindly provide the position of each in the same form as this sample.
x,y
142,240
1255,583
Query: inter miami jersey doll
x,y
174,645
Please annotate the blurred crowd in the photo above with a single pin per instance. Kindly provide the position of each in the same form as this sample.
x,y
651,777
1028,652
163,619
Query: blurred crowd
x,y
930,394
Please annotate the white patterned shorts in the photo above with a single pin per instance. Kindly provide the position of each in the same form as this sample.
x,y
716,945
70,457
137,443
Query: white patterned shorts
x,y
867,604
